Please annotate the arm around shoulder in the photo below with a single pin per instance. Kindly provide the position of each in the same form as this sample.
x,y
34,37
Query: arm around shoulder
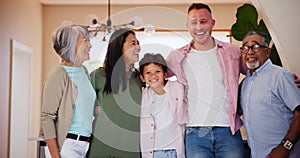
x,y
181,98
297,80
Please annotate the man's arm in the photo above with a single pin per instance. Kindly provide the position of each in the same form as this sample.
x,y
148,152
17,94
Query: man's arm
x,y
293,136
297,80
171,64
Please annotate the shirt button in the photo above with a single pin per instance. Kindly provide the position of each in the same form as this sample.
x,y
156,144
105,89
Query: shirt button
x,y
151,137
151,125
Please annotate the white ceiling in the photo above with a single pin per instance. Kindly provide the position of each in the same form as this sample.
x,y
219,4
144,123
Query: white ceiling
x,y
133,2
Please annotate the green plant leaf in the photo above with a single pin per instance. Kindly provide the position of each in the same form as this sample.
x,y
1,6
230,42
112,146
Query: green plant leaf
x,y
263,28
246,20
238,30
248,13
274,56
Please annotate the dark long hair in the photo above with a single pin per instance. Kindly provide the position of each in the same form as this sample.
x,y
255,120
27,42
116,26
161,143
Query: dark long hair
x,y
114,64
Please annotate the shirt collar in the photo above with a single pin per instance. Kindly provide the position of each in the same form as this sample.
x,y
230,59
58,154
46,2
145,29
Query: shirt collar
x,y
219,44
261,68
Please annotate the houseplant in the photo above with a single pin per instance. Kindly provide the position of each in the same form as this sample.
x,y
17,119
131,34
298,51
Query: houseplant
x,y
247,20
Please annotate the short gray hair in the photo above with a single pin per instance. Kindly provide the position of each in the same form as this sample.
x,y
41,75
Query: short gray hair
x,y
64,40
261,34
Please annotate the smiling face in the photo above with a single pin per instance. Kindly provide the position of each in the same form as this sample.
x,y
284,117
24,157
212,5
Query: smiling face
x,y
83,47
255,59
131,49
154,75
200,24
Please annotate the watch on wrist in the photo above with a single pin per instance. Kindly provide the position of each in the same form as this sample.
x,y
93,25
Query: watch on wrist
x,y
287,144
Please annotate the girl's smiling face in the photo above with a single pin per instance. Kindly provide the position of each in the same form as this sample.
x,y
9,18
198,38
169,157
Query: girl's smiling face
x,y
154,75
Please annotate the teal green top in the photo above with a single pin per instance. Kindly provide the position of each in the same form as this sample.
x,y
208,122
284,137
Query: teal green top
x,y
116,128
85,101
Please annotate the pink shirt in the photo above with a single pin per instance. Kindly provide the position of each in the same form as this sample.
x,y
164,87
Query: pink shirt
x,y
178,107
231,64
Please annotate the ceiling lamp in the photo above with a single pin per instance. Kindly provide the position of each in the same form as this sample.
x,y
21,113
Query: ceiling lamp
x,y
136,23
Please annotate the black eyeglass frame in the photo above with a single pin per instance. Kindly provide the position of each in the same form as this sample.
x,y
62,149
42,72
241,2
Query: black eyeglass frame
x,y
255,48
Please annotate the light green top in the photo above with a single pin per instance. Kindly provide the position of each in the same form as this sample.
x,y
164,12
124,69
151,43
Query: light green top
x,y
85,101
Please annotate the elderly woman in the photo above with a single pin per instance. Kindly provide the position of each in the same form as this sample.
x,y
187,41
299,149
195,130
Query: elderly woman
x,y
118,87
68,96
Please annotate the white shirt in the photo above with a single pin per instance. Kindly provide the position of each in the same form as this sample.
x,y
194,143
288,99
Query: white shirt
x,y
164,124
207,97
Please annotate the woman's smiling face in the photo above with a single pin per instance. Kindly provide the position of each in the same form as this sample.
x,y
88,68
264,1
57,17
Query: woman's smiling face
x,y
131,49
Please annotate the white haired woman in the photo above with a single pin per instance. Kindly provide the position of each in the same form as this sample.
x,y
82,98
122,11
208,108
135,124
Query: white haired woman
x,y
68,96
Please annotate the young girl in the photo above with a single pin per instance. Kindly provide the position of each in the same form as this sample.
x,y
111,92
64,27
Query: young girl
x,y
163,111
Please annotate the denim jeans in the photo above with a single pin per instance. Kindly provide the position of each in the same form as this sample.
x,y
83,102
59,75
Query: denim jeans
x,y
165,153
214,142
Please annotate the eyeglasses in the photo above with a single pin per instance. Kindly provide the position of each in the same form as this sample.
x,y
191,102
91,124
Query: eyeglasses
x,y
255,48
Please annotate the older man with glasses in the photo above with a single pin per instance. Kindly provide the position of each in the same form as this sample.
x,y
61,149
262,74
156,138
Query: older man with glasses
x,y
270,102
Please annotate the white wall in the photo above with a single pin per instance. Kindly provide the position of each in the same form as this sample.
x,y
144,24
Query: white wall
x,y
171,17
21,20
282,20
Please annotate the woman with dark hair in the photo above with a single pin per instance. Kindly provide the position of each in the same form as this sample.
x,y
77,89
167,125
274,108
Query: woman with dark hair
x,y
118,89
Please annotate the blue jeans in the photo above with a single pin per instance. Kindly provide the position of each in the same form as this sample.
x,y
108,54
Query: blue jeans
x,y
215,142
165,153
